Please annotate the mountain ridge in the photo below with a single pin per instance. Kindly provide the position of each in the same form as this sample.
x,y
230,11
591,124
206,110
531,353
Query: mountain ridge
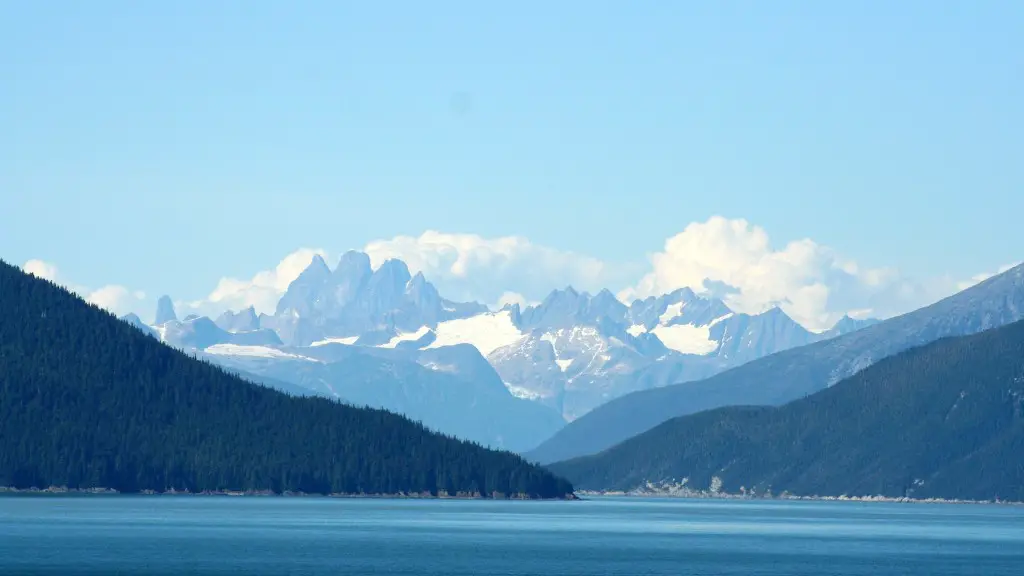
x,y
791,374
965,395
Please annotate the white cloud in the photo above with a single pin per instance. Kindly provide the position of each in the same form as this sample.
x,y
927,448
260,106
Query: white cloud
x,y
114,298
262,291
471,267
729,258
810,282
41,269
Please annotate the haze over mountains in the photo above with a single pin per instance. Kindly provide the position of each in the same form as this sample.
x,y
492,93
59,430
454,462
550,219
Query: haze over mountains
x,y
508,378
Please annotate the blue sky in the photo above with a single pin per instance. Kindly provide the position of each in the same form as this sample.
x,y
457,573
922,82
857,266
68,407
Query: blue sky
x,y
164,146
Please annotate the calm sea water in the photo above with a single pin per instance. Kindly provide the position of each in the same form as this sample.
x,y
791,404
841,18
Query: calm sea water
x,y
223,535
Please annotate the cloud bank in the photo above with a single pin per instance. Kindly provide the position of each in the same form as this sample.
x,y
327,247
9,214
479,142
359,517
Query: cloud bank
x,y
497,270
736,261
731,259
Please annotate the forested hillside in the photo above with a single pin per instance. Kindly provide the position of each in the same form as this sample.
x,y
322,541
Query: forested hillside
x,y
943,420
87,400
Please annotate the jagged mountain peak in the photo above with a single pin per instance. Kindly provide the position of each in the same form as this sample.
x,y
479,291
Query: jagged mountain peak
x,y
684,294
393,267
165,310
567,294
848,324
245,320
775,313
132,318
317,266
353,260
356,300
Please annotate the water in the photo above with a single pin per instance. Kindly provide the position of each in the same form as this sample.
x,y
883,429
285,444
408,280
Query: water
x,y
112,535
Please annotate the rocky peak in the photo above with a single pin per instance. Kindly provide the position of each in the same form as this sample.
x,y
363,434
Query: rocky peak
x,y
316,271
305,293
164,310
606,305
424,296
242,321
350,277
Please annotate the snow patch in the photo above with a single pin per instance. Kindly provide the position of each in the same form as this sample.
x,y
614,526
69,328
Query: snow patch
x,y
439,367
636,330
564,364
347,340
520,392
686,338
487,332
404,336
720,319
672,311
254,352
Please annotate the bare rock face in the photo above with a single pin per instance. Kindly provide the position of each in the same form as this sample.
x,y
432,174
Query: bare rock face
x,y
164,310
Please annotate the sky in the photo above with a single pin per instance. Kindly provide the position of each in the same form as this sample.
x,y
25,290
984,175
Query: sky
x,y
830,157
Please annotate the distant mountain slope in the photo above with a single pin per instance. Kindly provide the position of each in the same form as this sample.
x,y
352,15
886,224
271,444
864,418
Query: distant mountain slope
x,y
452,390
945,420
794,373
90,401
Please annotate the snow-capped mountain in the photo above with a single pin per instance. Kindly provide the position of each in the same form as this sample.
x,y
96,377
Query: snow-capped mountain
x,y
339,332
579,351
354,301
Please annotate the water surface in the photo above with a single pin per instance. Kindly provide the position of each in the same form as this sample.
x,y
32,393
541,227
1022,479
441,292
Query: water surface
x,y
73,535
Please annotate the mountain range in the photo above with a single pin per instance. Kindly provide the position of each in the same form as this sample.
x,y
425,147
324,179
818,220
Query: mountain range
x,y
577,379
508,378
944,420
88,401
792,374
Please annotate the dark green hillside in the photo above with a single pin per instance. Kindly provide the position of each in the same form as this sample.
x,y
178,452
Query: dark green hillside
x,y
944,420
87,400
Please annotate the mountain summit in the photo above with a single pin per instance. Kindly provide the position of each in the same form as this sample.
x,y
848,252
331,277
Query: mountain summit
x,y
164,310
354,300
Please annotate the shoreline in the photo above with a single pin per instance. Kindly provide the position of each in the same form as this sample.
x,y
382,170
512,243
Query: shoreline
x,y
287,494
787,497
